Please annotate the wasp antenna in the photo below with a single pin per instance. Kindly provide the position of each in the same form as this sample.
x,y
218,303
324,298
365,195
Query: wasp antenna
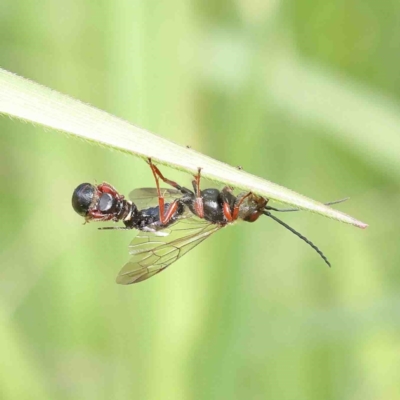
x,y
268,214
103,228
330,203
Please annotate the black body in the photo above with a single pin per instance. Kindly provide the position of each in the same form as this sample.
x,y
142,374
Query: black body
x,y
104,203
148,219
213,200
190,216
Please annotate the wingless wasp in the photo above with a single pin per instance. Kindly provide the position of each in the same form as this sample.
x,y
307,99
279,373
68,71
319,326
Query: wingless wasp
x,y
182,219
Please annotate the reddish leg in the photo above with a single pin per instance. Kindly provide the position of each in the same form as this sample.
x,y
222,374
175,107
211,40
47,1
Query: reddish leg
x,y
232,214
157,174
99,216
198,203
226,208
171,210
236,208
164,217
107,188
227,212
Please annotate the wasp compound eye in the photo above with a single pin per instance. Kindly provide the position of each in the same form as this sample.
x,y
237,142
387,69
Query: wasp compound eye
x,y
82,198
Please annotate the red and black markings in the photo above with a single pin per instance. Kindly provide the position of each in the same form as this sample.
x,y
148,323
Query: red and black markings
x,y
171,228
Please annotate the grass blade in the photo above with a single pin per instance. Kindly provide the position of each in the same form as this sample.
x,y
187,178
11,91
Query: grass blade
x,y
29,101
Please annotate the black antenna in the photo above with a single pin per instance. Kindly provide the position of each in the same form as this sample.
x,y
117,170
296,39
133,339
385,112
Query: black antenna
x,y
121,228
268,214
298,209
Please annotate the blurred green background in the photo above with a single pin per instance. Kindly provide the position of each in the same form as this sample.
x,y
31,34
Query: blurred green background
x,y
305,94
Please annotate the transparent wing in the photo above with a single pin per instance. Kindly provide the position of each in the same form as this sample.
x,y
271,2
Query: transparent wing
x,y
151,253
148,197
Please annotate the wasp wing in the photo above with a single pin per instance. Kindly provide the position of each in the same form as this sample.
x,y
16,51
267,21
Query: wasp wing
x,y
152,253
148,197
